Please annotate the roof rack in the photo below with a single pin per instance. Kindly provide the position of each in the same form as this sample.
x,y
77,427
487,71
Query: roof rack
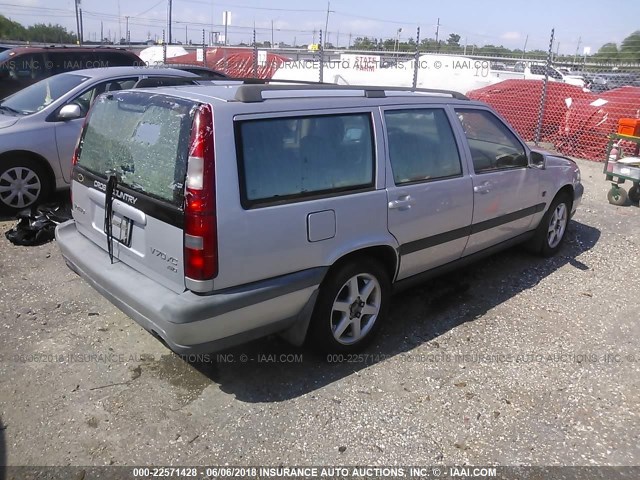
x,y
252,89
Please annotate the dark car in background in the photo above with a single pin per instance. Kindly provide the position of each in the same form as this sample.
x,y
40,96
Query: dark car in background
x,y
23,66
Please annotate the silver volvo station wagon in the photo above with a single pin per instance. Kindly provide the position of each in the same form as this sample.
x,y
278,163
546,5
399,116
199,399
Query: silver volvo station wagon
x,y
213,215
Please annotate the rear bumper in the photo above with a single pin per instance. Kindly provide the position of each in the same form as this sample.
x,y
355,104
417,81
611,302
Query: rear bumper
x,y
187,322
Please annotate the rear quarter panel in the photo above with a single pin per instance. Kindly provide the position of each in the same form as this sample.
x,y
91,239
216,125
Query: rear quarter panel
x,y
266,242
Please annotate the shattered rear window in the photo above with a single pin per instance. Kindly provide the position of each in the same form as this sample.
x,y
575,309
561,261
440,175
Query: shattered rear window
x,y
142,139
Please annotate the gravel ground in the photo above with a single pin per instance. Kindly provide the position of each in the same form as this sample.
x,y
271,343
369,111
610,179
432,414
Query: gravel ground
x,y
515,360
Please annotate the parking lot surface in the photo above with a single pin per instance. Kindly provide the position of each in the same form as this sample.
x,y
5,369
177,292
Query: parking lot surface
x,y
514,360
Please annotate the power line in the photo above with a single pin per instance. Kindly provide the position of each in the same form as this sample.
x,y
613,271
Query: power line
x,y
148,9
272,9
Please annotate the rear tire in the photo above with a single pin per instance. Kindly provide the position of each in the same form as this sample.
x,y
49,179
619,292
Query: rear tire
x,y
634,194
351,306
552,229
23,183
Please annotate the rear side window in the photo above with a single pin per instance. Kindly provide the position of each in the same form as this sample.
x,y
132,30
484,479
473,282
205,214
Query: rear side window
x,y
115,59
421,145
296,157
29,66
142,140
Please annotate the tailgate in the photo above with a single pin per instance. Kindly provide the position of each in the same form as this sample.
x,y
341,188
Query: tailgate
x,y
138,142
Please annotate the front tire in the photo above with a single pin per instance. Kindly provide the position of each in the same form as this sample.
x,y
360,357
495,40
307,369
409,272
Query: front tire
x,y
552,229
351,306
23,184
617,196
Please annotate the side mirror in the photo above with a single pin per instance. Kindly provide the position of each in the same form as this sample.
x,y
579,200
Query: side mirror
x,y
537,160
69,112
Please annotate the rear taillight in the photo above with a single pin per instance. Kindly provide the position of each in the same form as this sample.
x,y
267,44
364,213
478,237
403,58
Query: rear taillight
x,y
200,232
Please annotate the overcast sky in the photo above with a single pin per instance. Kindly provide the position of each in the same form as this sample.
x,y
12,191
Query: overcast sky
x,y
511,23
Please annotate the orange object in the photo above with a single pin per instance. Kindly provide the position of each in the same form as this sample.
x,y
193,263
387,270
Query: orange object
x,y
629,126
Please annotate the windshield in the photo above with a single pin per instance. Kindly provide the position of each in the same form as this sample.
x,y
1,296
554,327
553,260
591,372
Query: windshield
x,y
40,95
4,54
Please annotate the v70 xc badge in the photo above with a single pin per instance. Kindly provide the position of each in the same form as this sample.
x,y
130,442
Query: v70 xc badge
x,y
172,261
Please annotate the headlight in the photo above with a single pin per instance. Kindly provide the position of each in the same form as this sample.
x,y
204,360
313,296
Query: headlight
x,y
577,175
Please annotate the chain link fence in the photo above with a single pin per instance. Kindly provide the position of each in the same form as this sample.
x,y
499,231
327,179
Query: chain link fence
x,y
569,104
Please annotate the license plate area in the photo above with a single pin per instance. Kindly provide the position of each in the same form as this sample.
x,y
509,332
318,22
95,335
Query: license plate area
x,y
121,229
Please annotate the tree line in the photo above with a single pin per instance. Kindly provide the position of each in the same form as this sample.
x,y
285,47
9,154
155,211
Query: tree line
x,y
40,32
628,51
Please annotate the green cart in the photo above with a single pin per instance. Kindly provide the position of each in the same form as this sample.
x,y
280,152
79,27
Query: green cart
x,y
619,169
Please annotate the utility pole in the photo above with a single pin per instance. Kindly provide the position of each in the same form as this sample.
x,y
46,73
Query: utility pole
x,y
101,32
271,33
338,39
81,25
77,23
326,25
437,32
226,16
170,6
127,30
186,34
349,46
119,24
577,49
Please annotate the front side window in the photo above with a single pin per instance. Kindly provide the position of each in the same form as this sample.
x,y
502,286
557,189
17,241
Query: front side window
x,y
421,145
493,146
295,157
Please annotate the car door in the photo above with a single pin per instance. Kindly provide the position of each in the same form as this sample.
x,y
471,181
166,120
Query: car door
x,y
68,131
430,195
506,192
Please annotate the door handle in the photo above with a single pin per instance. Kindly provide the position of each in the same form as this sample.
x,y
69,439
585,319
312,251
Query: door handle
x,y
482,189
403,202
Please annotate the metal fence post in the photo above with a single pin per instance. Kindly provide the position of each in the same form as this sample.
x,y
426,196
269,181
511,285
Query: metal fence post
x,y
416,60
543,97
164,49
321,55
204,50
255,55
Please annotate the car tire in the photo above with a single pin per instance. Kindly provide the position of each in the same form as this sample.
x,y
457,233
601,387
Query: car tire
x,y
23,183
634,194
352,305
552,229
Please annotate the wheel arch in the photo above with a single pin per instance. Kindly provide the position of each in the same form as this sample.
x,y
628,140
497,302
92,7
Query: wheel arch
x,y
51,176
564,190
385,254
